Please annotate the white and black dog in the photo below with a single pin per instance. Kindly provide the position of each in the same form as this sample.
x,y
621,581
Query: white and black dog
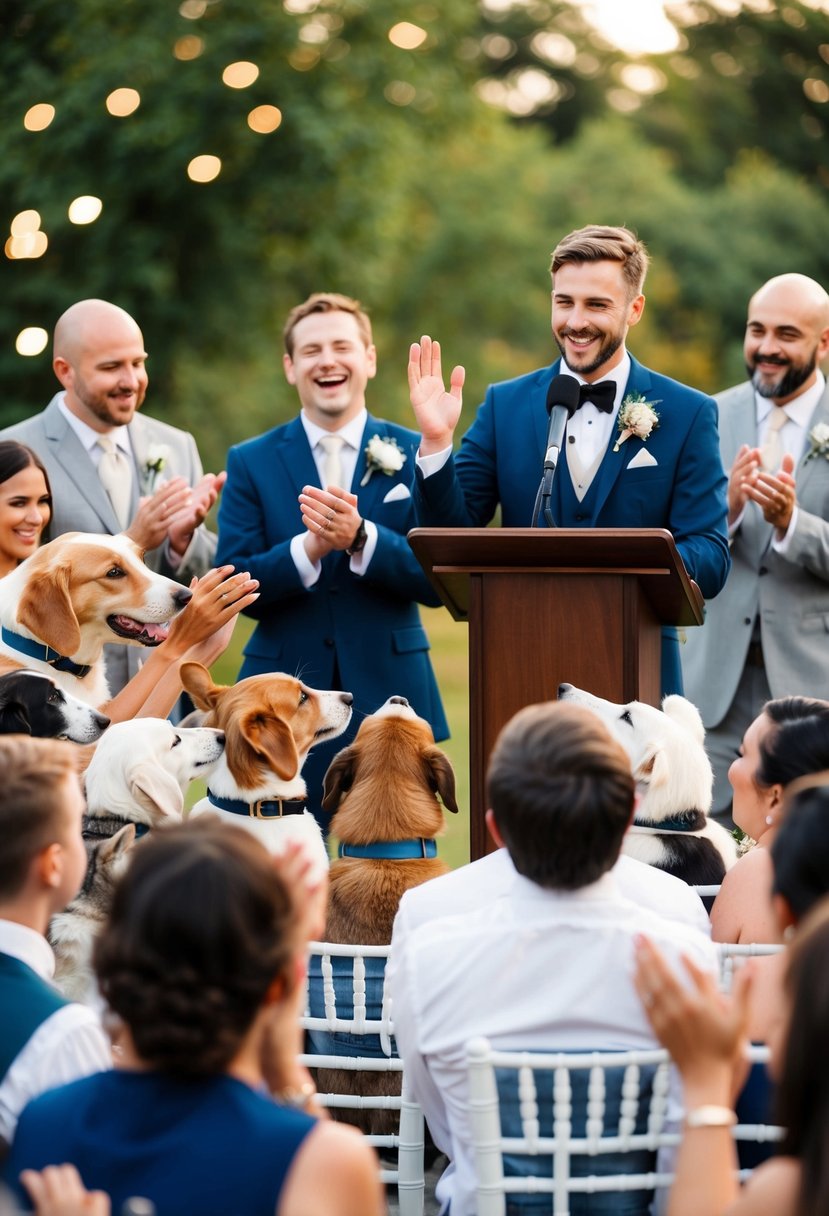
x,y
31,703
671,829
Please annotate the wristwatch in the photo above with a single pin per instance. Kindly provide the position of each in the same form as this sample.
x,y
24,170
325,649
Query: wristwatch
x,y
359,542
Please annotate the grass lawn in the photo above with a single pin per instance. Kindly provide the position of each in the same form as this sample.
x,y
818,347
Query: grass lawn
x,y
449,655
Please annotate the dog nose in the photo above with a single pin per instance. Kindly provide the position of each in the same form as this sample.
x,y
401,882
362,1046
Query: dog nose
x,y
398,701
101,720
563,690
182,596
347,697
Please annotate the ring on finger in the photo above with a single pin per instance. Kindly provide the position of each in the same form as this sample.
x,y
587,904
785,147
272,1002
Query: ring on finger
x,y
331,515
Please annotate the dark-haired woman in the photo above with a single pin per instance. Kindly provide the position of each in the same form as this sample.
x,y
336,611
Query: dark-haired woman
x,y
203,963
789,739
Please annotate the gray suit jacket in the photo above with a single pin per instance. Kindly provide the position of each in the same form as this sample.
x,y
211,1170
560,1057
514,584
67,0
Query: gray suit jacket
x,y
790,592
81,504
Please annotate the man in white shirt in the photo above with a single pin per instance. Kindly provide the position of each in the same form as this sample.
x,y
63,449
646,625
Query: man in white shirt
x,y
44,1040
765,633
547,962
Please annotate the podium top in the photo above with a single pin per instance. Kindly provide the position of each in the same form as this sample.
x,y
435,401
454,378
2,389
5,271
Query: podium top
x,y
451,556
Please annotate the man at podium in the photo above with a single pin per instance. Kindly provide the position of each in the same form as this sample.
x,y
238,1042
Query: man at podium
x,y
639,450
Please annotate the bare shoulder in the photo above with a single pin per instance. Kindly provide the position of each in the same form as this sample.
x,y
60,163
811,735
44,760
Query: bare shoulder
x,y
773,1187
742,910
335,1173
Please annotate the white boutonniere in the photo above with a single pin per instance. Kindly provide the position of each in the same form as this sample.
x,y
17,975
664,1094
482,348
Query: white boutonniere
x,y
383,456
636,417
819,441
157,456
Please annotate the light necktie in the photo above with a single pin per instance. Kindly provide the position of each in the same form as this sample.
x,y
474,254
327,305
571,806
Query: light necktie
x,y
116,478
332,469
771,452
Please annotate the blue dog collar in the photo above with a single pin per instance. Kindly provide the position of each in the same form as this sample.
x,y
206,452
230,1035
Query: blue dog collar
x,y
39,650
263,808
391,850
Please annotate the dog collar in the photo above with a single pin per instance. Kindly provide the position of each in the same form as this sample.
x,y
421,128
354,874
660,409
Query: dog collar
x,y
391,850
678,825
39,650
105,826
262,808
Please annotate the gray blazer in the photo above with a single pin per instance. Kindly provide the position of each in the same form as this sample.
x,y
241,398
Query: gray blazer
x,y
81,504
790,592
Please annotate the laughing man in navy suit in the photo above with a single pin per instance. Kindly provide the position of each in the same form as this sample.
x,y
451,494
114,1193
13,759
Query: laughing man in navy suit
x,y
664,471
324,531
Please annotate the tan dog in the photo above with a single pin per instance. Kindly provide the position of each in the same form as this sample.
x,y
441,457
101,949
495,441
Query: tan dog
x,y
384,789
270,724
61,605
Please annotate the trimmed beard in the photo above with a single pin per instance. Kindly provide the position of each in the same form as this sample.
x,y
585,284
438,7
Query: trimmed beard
x,y
794,377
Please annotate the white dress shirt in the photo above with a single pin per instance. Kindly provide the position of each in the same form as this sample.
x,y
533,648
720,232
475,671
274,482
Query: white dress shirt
x,y
530,969
352,436
89,438
68,1045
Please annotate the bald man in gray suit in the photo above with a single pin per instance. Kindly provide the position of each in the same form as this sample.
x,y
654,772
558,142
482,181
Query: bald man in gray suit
x,y
767,633
100,361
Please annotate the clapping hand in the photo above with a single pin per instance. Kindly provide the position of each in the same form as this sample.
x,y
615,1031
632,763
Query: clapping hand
x,y
193,512
774,493
437,411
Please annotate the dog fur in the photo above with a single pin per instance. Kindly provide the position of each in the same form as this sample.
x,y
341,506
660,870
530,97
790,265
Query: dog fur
x,y
270,723
31,703
384,787
72,932
78,592
674,781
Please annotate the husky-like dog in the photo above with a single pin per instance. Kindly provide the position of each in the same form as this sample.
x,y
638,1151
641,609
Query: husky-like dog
x,y
674,780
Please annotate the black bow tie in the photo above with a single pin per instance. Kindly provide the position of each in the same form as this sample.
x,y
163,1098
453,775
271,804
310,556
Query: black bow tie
x,y
602,395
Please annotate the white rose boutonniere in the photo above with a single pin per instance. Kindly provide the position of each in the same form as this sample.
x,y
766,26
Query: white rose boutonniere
x,y
383,456
636,417
157,456
818,442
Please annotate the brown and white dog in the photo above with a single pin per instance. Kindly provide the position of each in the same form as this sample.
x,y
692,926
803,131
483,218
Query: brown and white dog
x,y
61,605
384,789
270,723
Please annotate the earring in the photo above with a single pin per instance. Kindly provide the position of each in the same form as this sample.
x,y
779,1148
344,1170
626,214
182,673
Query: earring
x,y
769,820
788,933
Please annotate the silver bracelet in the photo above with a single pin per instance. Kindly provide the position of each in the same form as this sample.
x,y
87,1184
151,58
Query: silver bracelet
x,y
710,1116
297,1099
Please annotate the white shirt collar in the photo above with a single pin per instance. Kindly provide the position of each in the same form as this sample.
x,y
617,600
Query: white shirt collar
x,y
800,409
605,888
351,433
27,945
87,435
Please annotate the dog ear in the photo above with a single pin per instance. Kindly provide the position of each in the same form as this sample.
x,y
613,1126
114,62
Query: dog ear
x,y
271,737
686,714
339,778
196,680
655,769
441,777
156,791
45,608
13,719
117,845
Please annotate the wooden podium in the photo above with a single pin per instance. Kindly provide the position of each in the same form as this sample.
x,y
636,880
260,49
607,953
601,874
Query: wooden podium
x,y
552,606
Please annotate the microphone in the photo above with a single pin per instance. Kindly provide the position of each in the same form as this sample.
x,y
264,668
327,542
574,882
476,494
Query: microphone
x,y
562,402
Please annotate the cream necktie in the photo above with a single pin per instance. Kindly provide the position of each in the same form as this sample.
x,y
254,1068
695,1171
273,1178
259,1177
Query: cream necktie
x,y
332,470
116,478
771,452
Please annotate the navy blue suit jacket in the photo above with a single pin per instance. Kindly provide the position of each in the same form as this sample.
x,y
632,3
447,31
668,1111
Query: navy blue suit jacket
x,y
500,463
362,633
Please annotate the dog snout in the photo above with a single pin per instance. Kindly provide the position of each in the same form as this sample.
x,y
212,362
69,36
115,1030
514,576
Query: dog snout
x,y
347,698
398,701
564,690
182,596
100,720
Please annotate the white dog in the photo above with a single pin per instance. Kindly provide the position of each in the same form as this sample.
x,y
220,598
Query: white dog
x,y
671,829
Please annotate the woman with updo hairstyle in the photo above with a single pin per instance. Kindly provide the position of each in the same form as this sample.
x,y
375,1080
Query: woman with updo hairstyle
x,y
202,964
787,740
25,503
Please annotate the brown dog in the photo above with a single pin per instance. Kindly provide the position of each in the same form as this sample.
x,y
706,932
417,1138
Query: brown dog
x,y
384,789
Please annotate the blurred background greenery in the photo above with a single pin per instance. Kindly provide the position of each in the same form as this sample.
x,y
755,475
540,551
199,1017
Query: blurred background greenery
x,y
208,163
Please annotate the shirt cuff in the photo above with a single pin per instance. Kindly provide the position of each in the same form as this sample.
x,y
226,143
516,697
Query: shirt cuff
x,y
172,559
732,528
783,545
307,570
359,562
434,463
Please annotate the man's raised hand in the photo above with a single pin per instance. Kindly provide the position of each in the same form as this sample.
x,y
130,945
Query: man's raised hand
x,y
437,411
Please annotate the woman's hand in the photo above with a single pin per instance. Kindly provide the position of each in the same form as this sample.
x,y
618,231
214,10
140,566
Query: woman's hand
x,y
58,1191
218,598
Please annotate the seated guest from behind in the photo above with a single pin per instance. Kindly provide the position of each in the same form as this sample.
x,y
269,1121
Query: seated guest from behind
x,y
547,963
44,1039
203,964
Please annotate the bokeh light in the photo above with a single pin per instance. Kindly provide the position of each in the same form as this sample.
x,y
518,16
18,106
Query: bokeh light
x,y
25,222
240,75
85,209
204,168
122,102
31,341
37,118
407,36
193,9
264,119
30,245
188,47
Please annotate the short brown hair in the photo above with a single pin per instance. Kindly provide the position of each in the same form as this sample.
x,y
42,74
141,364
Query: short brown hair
x,y
599,243
561,789
326,301
33,775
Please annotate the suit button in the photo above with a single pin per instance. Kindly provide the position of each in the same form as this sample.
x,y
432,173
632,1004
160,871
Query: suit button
x,y
746,620
328,641
763,570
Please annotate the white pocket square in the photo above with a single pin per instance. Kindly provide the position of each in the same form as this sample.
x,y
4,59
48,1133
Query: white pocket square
x,y
397,492
642,460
